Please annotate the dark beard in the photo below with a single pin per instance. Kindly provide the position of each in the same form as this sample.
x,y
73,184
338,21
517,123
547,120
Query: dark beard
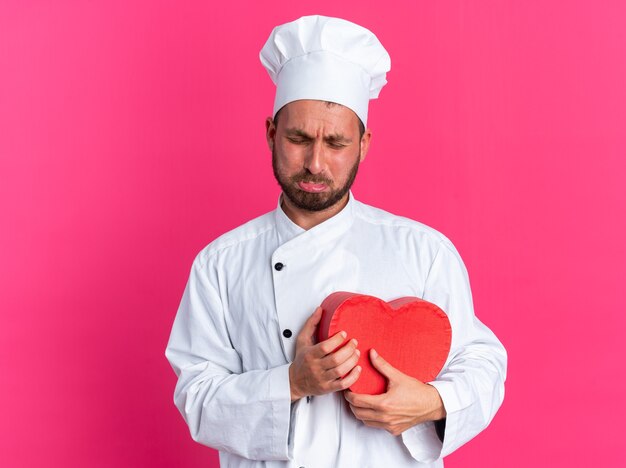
x,y
313,201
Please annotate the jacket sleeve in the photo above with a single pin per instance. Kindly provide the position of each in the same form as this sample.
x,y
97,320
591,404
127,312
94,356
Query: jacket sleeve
x,y
245,413
471,383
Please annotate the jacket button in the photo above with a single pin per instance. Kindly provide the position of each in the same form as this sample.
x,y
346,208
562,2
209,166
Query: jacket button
x,y
287,333
279,266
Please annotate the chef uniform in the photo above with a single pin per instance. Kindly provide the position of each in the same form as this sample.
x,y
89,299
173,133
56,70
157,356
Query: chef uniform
x,y
251,290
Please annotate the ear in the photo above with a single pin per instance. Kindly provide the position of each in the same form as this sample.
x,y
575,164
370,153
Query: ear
x,y
270,132
365,143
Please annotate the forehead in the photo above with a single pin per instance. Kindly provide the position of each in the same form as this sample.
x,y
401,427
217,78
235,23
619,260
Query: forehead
x,y
315,116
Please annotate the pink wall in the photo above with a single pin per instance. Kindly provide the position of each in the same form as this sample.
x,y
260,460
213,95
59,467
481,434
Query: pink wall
x,y
131,135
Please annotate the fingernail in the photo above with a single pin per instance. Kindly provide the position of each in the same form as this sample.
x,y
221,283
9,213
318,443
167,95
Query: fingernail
x,y
355,342
373,353
358,368
343,334
358,353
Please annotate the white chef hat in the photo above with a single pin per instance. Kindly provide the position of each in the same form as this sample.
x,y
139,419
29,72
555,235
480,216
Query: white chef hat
x,y
328,59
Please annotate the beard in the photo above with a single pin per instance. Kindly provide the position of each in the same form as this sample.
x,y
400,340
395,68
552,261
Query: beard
x,y
309,201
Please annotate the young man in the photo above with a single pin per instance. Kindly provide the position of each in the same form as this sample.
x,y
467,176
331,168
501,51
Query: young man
x,y
252,381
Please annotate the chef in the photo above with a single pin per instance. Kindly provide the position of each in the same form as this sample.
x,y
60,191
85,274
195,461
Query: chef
x,y
253,382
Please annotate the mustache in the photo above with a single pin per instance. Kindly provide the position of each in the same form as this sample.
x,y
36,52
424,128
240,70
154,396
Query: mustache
x,y
311,178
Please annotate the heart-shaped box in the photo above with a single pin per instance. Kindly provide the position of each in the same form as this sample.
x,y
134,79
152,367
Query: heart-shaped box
x,y
411,334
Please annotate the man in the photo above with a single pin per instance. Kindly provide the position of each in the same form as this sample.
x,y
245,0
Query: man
x,y
252,381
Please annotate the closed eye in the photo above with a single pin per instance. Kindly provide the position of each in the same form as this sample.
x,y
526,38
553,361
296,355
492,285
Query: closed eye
x,y
298,141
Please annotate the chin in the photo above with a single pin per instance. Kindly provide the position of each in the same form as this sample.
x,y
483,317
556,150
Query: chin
x,y
314,202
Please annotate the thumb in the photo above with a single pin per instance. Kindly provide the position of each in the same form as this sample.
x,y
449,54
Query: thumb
x,y
383,366
307,334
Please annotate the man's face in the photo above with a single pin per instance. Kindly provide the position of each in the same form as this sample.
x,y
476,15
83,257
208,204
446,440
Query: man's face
x,y
316,151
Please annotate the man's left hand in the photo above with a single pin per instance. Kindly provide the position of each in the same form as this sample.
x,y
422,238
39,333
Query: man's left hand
x,y
406,402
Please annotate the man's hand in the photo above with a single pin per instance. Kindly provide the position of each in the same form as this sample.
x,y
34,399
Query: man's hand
x,y
406,403
316,369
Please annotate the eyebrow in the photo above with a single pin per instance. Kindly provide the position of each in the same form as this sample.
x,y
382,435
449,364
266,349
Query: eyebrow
x,y
333,137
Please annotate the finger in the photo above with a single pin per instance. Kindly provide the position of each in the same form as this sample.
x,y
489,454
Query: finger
x,y
340,356
329,345
382,366
347,381
362,400
307,334
367,418
345,367
380,425
393,429
363,413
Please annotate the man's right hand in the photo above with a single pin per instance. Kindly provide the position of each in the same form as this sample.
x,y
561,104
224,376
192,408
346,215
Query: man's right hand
x,y
316,369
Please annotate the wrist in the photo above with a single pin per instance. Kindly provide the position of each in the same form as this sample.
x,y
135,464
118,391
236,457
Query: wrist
x,y
438,409
295,394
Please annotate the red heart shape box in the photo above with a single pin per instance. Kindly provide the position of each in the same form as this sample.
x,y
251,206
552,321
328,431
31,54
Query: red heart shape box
x,y
411,334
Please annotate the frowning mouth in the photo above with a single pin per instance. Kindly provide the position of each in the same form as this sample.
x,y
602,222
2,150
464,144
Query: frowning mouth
x,y
312,187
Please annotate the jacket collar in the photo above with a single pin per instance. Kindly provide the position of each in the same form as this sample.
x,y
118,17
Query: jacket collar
x,y
332,227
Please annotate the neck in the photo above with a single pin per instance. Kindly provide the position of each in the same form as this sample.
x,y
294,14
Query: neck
x,y
308,219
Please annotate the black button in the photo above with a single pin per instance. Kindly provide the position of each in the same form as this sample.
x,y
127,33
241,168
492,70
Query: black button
x,y
279,266
287,333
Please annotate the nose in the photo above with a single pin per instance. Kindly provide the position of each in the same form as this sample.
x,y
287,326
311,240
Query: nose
x,y
315,159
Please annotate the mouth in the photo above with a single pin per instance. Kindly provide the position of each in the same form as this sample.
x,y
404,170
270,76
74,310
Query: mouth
x,y
312,187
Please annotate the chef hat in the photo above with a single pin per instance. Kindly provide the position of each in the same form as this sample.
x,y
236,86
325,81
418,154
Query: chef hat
x,y
328,59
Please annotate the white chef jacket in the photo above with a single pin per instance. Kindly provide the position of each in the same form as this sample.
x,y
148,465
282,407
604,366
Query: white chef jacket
x,y
231,348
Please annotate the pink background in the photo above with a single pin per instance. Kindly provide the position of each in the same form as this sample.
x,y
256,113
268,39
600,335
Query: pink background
x,y
131,135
